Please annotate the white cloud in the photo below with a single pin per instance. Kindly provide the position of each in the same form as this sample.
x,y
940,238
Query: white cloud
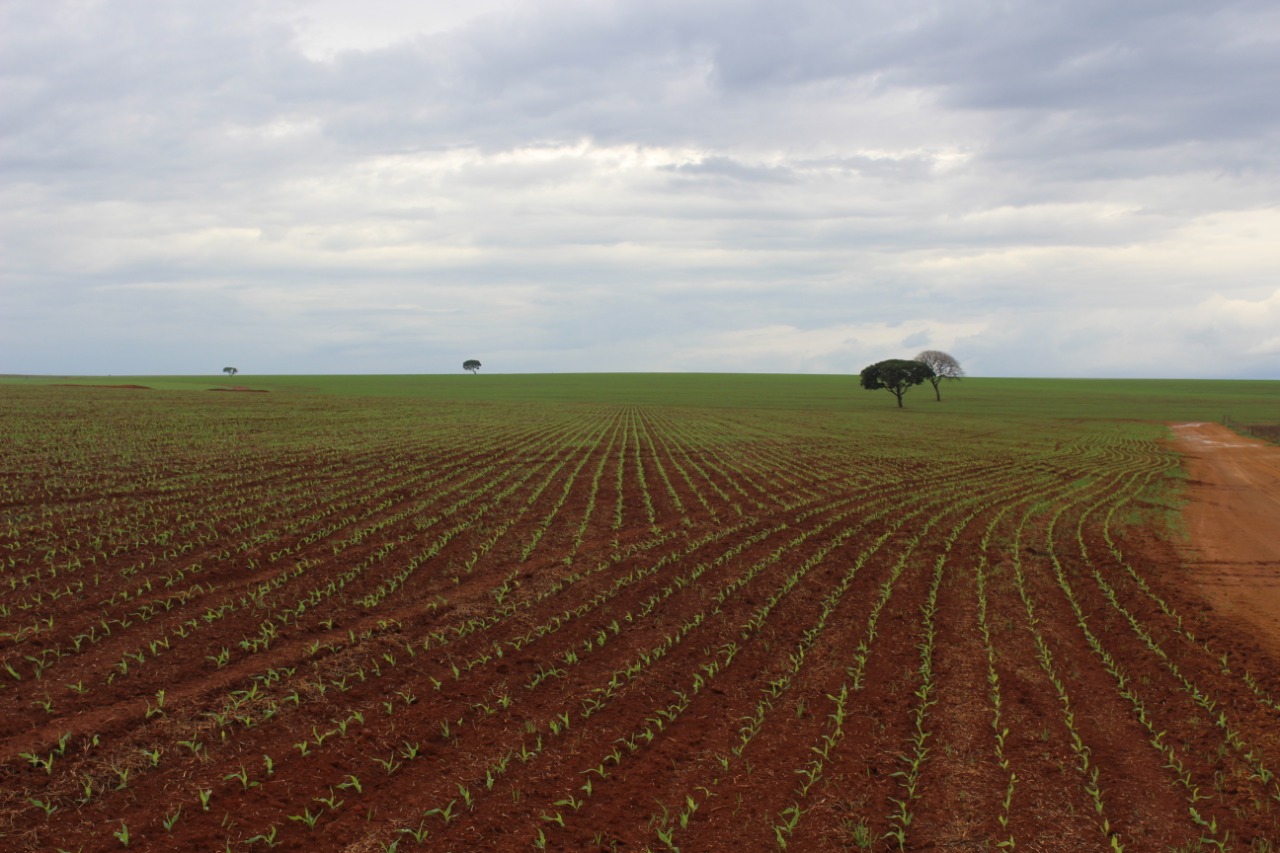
x,y
1054,188
830,349
327,28
1247,326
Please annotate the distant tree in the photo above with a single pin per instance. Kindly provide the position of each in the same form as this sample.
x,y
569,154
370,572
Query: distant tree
x,y
230,371
943,367
896,376
471,364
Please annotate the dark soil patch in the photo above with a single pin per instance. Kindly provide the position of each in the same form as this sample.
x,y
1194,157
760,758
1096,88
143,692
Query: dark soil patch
x,y
81,385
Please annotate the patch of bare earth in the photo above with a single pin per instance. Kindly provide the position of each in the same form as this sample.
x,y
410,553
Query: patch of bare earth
x,y
126,387
1233,518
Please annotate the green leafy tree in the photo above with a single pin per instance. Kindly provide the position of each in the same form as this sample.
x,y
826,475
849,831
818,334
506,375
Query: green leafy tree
x,y
230,371
896,376
943,367
471,364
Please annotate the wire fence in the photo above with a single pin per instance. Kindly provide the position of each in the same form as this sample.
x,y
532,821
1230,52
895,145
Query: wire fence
x,y
1266,432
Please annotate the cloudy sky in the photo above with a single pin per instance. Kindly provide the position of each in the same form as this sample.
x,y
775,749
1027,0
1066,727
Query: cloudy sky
x,y
1040,187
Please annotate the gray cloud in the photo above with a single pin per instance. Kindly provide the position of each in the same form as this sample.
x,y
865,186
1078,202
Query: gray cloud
x,y
1055,188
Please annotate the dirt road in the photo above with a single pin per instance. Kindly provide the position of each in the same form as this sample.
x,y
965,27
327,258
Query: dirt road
x,y
1233,517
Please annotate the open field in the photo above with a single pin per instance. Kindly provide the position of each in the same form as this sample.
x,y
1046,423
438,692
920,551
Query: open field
x,y
1247,401
596,612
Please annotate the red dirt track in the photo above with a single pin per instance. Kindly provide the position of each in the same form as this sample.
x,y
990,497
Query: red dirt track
x,y
1233,517
258,623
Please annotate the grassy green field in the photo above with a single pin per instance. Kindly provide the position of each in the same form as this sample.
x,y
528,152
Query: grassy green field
x,y
1248,401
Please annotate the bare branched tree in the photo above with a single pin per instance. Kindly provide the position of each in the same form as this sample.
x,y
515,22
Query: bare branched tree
x,y
943,366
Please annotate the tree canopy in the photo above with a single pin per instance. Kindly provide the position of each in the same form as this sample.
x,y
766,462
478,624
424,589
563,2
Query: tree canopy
x,y
230,371
943,367
471,364
895,375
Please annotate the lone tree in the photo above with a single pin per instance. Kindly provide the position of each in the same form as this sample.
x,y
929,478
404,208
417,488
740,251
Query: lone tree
x,y
896,376
943,367
230,371
471,364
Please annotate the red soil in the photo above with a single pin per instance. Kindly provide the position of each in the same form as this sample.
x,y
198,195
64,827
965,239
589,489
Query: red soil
x,y
1233,518
74,385
501,641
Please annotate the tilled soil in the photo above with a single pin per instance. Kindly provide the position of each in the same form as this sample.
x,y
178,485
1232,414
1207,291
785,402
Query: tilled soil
x,y
613,628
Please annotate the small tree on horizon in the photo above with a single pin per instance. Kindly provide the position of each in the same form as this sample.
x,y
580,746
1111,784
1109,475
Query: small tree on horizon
x,y
471,364
230,371
895,375
943,367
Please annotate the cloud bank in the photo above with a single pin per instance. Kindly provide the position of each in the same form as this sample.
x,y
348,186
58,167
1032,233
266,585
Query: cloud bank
x,y
1040,188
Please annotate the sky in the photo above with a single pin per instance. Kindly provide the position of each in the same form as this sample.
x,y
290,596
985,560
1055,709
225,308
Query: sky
x,y
1040,188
